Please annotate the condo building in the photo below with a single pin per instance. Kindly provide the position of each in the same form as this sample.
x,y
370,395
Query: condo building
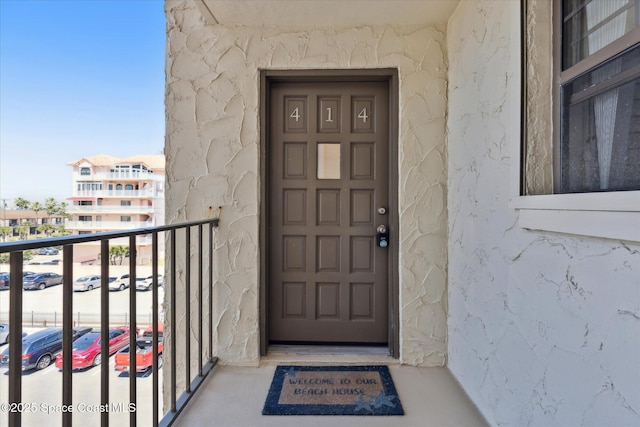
x,y
114,194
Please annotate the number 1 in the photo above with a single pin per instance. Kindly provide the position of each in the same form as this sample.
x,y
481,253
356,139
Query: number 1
x,y
329,119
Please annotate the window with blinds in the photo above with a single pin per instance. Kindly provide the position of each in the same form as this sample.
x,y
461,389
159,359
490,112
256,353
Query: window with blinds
x,y
598,97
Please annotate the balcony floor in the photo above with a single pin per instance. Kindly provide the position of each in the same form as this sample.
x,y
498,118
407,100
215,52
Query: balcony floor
x,y
234,396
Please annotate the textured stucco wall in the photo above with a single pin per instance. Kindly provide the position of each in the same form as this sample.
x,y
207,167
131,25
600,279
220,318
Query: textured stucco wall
x,y
539,55
543,328
212,150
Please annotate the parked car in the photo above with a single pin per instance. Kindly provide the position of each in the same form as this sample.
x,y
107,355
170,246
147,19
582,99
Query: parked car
x,y
120,283
40,347
144,352
41,280
86,283
80,331
47,251
87,349
4,280
145,283
4,333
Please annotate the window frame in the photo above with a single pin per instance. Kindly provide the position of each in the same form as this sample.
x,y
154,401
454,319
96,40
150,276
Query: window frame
x,y
581,67
610,215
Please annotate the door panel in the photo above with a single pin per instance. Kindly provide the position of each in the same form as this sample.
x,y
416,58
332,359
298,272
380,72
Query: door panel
x,y
328,175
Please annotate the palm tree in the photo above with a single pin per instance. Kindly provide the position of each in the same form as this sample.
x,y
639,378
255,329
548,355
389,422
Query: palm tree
x,y
117,253
21,203
36,207
4,232
62,210
47,229
51,206
62,230
23,230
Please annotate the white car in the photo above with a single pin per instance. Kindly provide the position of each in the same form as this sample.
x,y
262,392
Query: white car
x,y
86,283
120,283
4,333
145,283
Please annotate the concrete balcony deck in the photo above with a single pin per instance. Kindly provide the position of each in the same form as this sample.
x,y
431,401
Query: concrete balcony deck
x,y
234,396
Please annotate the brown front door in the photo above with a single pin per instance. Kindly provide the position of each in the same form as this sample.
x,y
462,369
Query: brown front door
x,y
328,193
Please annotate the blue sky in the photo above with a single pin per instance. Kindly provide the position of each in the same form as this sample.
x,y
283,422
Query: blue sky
x,y
77,78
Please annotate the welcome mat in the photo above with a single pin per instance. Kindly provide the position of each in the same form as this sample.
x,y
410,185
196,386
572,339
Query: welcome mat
x,y
332,390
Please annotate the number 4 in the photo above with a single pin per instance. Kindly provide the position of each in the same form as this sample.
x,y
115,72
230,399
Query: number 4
x,y
295,114
363,115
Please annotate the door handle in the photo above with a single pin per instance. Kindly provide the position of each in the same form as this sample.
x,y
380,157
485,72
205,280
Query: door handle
x,y
382,236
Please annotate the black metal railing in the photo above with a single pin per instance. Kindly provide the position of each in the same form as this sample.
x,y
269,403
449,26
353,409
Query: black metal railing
x,y
178,280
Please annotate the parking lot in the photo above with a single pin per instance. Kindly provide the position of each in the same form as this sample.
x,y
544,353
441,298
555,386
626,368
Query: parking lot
x,y
42,396
86,305
42,390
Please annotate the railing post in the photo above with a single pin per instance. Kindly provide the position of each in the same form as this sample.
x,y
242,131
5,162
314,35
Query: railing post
x,y
210,292
67,332
187,314
15,336
200,246
154,323
132,330
104,331
173,321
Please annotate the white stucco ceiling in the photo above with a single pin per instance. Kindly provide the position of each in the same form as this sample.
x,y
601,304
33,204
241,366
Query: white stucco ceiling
x,y
323,13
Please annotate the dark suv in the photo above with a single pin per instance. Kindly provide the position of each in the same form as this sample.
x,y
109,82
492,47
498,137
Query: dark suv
x,y
40,347
41,280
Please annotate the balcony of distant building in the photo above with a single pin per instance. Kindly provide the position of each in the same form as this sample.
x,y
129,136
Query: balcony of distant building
x,y
117,175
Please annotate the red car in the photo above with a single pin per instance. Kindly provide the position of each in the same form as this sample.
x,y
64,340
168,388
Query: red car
x,y
86,349
144,352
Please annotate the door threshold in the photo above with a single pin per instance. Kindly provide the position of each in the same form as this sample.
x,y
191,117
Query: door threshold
x,y
328,354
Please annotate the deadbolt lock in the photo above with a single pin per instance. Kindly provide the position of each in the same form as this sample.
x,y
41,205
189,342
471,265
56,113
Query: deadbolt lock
x,y
382,237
